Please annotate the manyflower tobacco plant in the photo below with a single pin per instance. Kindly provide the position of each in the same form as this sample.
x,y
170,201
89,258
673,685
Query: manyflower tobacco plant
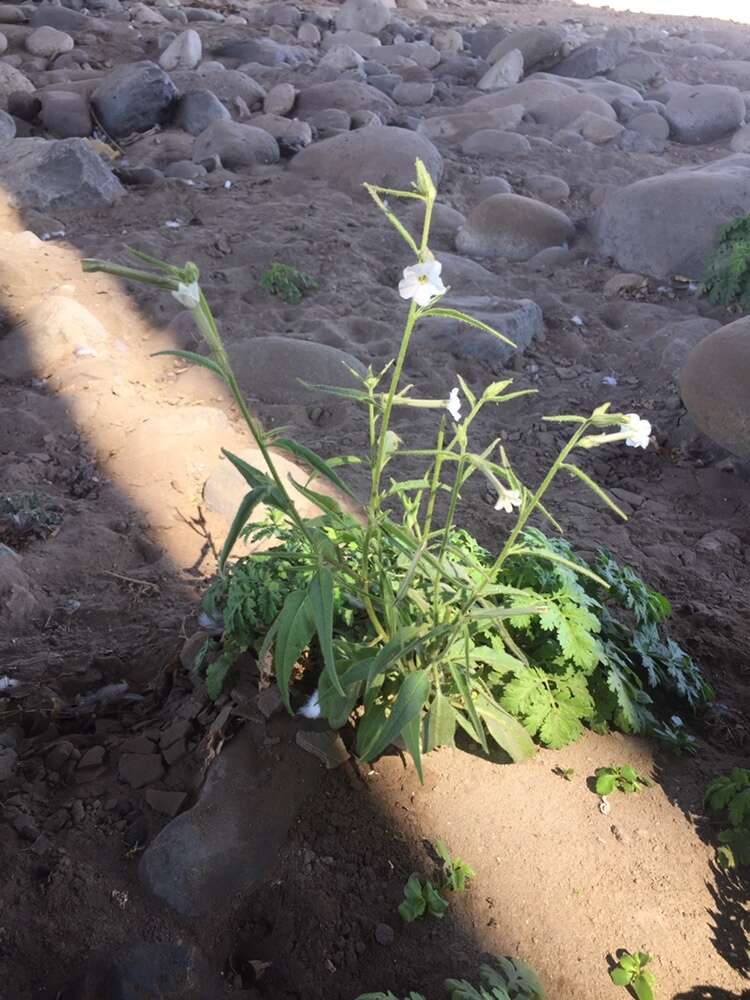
x,y
407,619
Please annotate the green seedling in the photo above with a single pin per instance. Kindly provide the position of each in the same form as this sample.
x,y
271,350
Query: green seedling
x,y
726,279
631,972
287,282
674,737
513,980
730,794
564,772
456,872
624,779
420,898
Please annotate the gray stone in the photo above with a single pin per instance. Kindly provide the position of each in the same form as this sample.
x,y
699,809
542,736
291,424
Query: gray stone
x,y
561,112
651,126
491,142
133,98
228,841
11,81
185,170
514,227
48,42
52,16
139,769
713,385
8,761
360,41
273,369
199,109
540,47
184,52
483,40
529,94
308,34
344,95
280,99
46,175
341,57
165,802
263,51
493,185
672,344
547,187
667,225
705,113
596,128
291,134
504,73
12,14
590,59
741,140
520,320
239,146
456,128
370,16
383,156
23,105
328,122
639,70
65,115
7,126
413,93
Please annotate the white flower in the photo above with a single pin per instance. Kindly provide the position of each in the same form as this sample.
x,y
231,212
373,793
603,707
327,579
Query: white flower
x,y
188,296
638,431
453,406
311,708
507,500
676,721
422,282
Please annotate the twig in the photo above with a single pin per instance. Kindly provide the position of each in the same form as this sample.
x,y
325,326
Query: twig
x,y
131,579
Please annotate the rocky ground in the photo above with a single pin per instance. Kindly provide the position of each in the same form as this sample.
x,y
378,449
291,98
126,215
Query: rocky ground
x,y
156,845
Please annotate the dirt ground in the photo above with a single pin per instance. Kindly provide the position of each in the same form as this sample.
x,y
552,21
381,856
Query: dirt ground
x,y
120,444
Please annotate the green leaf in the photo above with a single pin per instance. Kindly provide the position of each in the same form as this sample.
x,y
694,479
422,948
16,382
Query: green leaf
x,y
247,505
412,737
320,597
643,986
594,487
319,499
506,731
252,476
319,464
295,628
194,359
605,784
436,904
216,673
444,313
440,730
620,977
412,695
462,686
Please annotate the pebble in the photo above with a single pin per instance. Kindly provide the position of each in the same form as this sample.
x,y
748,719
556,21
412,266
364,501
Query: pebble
x,y
48,42
139,769
384,934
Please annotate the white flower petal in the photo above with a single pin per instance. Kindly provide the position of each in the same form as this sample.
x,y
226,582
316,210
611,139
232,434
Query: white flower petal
x,y
453,406
637,429
507,500
311,708
422,282
188,296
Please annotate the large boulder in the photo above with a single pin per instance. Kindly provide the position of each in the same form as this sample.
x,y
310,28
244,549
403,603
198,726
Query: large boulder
x,y
667,225
559,112
369,16
237,145
540,47
133,98
11,82
344,95
714,386
46,175
705,113
528,93
514,227
383,156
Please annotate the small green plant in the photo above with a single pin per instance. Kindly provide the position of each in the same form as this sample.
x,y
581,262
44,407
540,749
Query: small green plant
x,y
568,773
631,972
726,279
26,515
287,282
729,796
511,979
674,737
624,779
456,873
420,898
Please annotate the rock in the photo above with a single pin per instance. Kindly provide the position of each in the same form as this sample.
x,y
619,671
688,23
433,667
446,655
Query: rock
x,y
23,105
504,73
199,109
667,225
344,95
133,98
341,57
46,175
705,113
52,16
308,34
595,128
741,140
384,934
713,385
360,41
547,188
12,14
529,94
291,134
185,52
153,971
520,320
651,126
561,112
7,126
228,841
383,156
493,185
329,122
514,227
413,93
370,16
272,369
11,81
226,84
165,802
8,761
280,99
65,115
93,757
237,145
672,343
48,42
490,142
456,128
139,769
540,47
623,283
590,59
448,41
639,70
263,51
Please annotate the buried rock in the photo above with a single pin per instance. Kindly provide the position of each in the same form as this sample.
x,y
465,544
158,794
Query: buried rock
x,y
520,320
228,841
514,227
47,175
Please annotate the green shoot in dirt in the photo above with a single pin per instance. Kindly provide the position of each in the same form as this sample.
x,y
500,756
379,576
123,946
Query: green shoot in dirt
x,y
674,737
726,279
624,779
564,772
287,282
408,625
631,972
456,873
729,796
420,898
509,979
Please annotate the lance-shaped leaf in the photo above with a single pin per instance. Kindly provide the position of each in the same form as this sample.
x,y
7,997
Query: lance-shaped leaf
x,y
594,487
294,630
438,312
320,598
408,705
194,359
322,467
